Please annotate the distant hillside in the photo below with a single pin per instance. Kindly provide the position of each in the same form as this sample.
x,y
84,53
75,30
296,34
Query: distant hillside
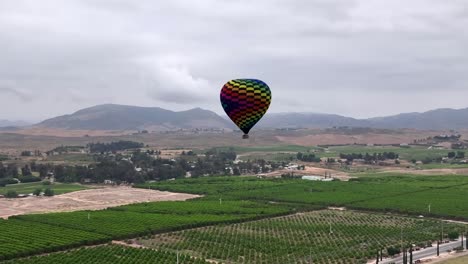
x,y
8,123
309,120
439,119
123,117
435,119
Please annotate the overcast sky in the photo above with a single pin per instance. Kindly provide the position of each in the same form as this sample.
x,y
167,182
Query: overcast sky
x,y
358,58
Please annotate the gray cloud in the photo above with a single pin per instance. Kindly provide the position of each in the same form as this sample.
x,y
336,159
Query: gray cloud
x,y
352,57
24,96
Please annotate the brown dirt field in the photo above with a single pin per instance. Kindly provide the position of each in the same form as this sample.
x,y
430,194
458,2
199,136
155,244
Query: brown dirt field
x,y
92,199
57,132
341,139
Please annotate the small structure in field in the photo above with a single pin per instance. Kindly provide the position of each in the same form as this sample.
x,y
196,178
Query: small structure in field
x,y
316,178
111,182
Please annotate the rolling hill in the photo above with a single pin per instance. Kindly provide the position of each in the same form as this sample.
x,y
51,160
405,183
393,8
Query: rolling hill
x,y
9,123
123,117
439,119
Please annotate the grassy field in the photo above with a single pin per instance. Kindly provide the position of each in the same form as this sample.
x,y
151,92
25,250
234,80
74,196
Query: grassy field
x,y
283,153
443,166
75,158
277,148
326,236
417,153
27,188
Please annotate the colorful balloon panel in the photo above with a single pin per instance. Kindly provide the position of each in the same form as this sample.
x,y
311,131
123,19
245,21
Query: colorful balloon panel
x,y
245,101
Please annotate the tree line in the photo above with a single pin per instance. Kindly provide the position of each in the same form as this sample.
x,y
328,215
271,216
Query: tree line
x,y
140,167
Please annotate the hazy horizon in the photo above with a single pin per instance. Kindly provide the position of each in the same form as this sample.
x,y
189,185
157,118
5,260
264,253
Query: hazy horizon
x,y
356,58
222,114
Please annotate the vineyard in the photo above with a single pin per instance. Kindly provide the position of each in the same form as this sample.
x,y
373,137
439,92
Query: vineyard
x,y
146,218
110,255
325,236
39,233
19,238
397,193
230,202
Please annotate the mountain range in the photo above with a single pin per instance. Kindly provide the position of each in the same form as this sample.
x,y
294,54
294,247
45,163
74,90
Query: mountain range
x,y
123,117
10,123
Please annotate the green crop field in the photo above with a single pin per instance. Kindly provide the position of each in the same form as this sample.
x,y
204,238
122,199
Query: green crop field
x,y
280,152
110,255
443,166
125,222
27,188
72,158
211,207
242,199
19,238
386,192
354,238
277,148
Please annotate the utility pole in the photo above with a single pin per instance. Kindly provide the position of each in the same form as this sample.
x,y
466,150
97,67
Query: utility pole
x,y
438,248
462,239
411,255
429,208
401,239
310,255
442,234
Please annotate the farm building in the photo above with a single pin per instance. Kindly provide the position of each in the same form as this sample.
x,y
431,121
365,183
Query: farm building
x,y
316,178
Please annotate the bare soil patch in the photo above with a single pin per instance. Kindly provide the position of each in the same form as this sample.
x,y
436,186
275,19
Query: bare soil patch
x,y
324,138
92,199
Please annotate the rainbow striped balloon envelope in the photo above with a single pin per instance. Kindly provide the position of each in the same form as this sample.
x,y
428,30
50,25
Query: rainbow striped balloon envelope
x,y
245,101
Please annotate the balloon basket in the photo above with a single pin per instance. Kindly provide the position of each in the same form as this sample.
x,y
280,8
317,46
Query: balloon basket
x,y
245,136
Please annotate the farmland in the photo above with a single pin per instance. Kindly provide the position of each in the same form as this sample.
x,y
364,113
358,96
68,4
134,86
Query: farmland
x,y
110,255
325,236
286,152
21,238
386,192
41,233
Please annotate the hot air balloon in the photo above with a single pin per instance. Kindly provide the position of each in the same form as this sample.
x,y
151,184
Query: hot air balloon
x,y
245,101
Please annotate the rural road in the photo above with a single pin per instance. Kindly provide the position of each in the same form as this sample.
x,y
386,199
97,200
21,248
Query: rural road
x,y
425,253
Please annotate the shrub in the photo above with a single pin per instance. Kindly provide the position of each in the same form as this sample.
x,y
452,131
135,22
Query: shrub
x,y
11,194
29,178
49,192
393,251
453,235
37,192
